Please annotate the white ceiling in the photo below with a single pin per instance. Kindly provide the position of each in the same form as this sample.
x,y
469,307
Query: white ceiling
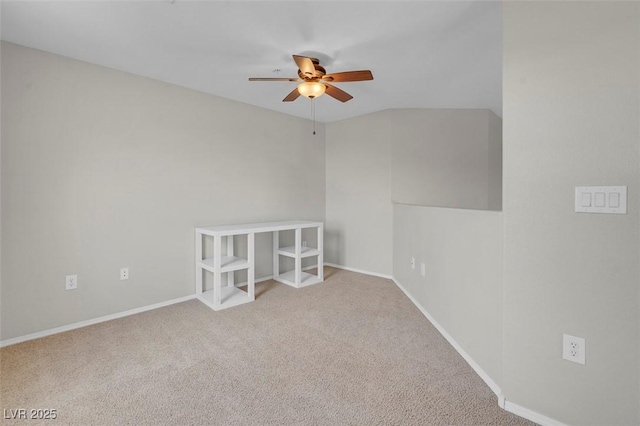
x,y
423,54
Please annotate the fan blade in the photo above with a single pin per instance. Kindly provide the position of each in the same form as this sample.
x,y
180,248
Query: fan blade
x,y
339,94
361,75
305,64
274,79
292,96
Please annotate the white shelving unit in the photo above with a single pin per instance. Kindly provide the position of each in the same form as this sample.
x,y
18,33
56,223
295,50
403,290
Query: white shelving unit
x,y
298,278
228,295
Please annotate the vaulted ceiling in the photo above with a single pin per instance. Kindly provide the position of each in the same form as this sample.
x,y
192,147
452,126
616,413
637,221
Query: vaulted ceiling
x,y
423,54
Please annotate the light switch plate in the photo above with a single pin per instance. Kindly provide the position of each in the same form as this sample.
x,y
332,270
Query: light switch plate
x,y
601,199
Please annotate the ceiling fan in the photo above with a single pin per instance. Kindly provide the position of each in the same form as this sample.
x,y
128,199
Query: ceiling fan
x,y
314,80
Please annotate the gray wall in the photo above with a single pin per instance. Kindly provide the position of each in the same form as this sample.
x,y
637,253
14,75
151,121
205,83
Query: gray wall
x,y
571,118
494,173
462,287
435,157
441,158
103,169
359,210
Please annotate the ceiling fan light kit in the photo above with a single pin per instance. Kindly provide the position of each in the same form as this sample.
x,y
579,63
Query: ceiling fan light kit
x,y
311,89
314,80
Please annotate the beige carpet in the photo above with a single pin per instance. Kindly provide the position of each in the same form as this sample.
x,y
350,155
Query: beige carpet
x,y
352,350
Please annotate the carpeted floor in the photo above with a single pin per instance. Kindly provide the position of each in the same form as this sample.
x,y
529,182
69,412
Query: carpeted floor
x,y
352,350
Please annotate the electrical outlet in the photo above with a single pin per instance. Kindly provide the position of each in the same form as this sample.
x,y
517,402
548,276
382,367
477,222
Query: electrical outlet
x,y
423,269
71,282
573,349
304,244
124,274
413,263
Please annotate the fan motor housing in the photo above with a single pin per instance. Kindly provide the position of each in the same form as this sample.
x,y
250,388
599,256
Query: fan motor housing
x,y
319,71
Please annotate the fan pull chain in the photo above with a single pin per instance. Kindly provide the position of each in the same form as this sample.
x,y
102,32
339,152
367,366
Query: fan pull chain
x,y
313,115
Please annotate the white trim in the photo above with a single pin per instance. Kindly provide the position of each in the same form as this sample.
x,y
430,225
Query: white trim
x,y
360,271
502,402
69,327
531,415
93,321
257,280
483,375
270,277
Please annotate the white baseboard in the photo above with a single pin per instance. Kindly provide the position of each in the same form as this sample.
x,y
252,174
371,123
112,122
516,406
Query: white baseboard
x,y
257,280
483,375
69,327
360,271
502,402
270,277
93,321
531,415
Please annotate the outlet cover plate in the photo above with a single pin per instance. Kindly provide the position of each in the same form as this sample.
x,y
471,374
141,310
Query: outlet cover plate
x,y
124,274
71,282
573,349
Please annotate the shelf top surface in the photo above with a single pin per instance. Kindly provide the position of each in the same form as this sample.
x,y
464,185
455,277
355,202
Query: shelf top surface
x,y
244,228
303,249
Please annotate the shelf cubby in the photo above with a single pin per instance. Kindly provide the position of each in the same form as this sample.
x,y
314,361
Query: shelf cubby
x,y
298,278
